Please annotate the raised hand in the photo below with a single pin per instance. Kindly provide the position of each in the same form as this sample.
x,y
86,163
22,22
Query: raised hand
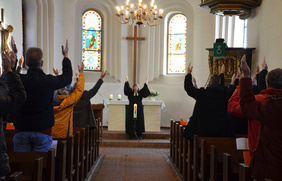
x,y
13,58
80,69
103,74
264,64
190,68
244,67
126,78
21,61
13,45
6,63
146,80
194,80
238,75
76,74
233,78
222,70
65,50
56,71
258,69
254,78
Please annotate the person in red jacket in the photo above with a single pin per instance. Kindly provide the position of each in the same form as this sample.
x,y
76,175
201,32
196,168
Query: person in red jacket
x,y
235,110
267,160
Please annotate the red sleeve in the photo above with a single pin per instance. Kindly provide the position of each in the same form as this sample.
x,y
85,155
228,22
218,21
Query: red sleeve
x,y
234,106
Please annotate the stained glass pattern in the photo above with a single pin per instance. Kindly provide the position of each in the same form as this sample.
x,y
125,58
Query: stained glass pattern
x,y
91,40
177,42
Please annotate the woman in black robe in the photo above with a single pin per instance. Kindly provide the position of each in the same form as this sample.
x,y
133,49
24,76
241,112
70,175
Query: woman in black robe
x,y
135,127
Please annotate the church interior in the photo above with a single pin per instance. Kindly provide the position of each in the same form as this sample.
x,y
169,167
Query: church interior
x,y
47,24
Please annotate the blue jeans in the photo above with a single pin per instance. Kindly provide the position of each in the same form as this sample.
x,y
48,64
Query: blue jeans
x,y
32,141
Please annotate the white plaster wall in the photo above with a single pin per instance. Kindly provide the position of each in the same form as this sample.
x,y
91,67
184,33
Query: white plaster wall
x,y
15,19
64,22
118,53
265,33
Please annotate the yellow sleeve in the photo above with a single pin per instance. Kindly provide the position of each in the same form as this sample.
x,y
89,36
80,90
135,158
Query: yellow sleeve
x,y
74,97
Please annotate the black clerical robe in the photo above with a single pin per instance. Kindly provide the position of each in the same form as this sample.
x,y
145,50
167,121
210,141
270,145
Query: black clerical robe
x,y
135,99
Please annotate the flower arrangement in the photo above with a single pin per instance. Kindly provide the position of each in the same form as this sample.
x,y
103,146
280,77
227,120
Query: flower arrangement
x,y
153,94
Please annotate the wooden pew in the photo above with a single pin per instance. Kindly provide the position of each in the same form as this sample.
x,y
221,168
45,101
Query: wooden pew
x,y
171,138
176,143
82,157
217,166
187,159
61,161
97,141
87,151
244,172
180,149
206,161
76,157
31,168
231,165
48,164
16,176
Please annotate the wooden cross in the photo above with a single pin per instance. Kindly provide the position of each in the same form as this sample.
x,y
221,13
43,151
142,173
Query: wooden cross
x,y
2,26
135,38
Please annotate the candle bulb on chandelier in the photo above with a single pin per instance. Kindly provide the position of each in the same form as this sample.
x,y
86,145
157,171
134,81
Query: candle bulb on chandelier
x,y
127,2
155,7
132,7
118,10
140,2
126,14
122,8
161,13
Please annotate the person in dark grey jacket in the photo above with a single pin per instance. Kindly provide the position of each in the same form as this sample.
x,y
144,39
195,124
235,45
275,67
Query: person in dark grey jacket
x,y
8,103
82,111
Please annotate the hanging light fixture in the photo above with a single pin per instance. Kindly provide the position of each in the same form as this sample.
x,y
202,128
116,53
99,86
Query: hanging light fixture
x,y
242,8
139,13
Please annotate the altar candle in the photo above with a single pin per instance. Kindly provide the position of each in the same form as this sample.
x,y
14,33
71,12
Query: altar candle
x,y
119,96
135,111
111,96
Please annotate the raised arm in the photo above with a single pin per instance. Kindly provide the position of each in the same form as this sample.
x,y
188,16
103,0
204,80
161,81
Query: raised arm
x,y
221,75
261,80
188,85
66,77
127,89
16,96
92,92
249,106
145,92
74,97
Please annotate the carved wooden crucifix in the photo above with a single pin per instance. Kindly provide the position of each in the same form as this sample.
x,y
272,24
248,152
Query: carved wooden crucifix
x,y
5,32
135,38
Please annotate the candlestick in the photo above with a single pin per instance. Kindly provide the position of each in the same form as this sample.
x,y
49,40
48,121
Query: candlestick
x,y
111,96
119,97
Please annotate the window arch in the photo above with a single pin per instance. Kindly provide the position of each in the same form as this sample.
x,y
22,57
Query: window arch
x,y
92,40
177,30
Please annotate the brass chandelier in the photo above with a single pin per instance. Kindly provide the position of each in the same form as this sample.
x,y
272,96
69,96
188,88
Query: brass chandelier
x,y
139,13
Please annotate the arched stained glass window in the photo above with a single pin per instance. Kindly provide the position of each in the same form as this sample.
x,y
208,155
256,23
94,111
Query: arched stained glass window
x,y
92,40
177,30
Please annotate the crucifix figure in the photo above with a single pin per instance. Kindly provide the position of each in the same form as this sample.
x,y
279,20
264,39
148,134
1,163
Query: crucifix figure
x,y
5,32
135,38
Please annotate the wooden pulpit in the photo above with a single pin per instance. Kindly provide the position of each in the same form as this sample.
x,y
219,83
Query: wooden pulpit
x,y
231,61
98,113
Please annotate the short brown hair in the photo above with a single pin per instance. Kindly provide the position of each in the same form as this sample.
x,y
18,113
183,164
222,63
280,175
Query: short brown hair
x,y
33,57
274,78
215,79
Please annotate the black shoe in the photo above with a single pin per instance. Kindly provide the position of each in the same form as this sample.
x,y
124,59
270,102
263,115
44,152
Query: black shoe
x,y
139,137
